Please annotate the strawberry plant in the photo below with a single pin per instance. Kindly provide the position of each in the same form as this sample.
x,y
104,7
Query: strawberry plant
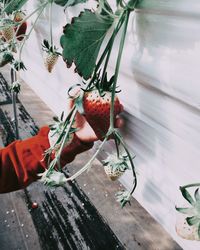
x,y
81,43
87,43
96,99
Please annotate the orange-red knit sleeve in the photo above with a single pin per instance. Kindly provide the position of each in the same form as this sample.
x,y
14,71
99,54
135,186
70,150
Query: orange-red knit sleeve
x,y
21,161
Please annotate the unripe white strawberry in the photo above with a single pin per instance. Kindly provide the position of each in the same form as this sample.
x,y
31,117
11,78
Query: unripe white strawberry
x,y
113,174
115,166
50,59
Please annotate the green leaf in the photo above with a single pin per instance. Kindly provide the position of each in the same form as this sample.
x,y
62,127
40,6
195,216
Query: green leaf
x,y
197,195
68,3
82,40
56,119
62,116
192,220
14,5
187,195
185,210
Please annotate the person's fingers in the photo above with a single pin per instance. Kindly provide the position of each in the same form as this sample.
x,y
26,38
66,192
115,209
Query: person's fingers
x,y
121,108
119,122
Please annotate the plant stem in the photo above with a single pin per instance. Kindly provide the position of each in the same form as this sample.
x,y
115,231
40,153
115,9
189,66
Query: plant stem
x,y
107,49
65,137
65,124
50,25
26,18
71,116
88,164
131,161
14,97
117,68
41,8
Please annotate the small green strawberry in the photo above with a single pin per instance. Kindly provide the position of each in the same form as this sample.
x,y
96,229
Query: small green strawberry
x,y
50,56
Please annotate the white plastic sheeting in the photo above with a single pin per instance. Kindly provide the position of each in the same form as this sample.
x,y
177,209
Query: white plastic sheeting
x,y
159,79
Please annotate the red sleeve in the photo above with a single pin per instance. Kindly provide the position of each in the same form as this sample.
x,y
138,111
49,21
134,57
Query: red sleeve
x,y
21,161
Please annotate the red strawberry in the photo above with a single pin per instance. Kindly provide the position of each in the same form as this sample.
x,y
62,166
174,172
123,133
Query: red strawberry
x,y
97,111
21,30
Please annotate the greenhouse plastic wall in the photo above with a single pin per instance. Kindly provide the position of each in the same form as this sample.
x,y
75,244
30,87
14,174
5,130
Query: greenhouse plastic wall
x,y
159,79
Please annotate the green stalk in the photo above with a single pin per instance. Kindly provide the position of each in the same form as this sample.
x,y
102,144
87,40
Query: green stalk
x,y
71,116
131,161
41,8
117,69
107,49
65,137
88,164
50,25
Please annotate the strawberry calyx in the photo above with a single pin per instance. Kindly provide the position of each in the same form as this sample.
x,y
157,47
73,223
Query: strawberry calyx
x,y
102,84
5,58
16,87
19,65
49,48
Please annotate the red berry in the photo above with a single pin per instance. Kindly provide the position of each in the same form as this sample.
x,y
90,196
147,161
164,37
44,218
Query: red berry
x,y
34,205
97,111
21,31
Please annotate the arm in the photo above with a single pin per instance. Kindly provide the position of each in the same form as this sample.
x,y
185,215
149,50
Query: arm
x,y
21,161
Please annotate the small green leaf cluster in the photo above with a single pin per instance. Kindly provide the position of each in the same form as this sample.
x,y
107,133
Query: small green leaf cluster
x,y
53,178
123,197
117,163
192,212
